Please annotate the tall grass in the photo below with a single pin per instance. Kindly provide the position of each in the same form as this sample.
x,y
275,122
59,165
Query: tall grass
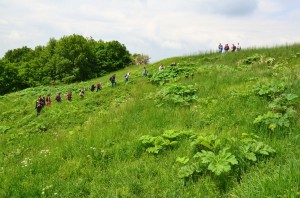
x,y
90,147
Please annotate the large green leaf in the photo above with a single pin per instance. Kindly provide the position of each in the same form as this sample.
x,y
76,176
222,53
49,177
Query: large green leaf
x,y
182,160
220,163
186,171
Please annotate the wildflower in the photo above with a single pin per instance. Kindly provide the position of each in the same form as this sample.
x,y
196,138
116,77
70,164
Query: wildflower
x,y
93,148
26,162
45,152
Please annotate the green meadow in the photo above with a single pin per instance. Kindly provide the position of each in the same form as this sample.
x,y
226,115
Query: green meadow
x,y
215,125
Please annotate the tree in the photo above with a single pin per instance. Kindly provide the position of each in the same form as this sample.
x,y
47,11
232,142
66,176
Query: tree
x,y
9,81
140,59
18,55
112,56
76,51
69,59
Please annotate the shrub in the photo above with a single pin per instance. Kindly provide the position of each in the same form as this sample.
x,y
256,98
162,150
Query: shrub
x,y
177,94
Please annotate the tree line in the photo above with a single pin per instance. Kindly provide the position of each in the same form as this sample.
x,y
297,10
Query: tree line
x,y
66,60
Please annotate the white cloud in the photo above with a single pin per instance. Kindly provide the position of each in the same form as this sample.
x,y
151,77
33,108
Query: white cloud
x,y
157,28
3,22
269,6
14,36
228,7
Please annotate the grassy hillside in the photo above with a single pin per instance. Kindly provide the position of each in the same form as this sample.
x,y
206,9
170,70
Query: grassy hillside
x,y
215,125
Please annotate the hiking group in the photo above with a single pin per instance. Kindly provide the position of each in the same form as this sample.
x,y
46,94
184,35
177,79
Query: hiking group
x,y
42,101
226,48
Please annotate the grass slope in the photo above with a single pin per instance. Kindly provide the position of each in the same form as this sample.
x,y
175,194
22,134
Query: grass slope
x,y
90,147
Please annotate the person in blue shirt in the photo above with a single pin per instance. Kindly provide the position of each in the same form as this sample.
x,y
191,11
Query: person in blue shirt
x,y
220,48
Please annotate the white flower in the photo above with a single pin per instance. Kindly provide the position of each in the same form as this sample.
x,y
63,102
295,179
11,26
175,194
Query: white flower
x,y
45,152
26,162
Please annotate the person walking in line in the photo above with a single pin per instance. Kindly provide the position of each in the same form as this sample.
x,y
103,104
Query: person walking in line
x,y
238,47
48,100
44,101
69,96
226,48
81,93
113,80
161,67
127,77
220,48
58,97
93,88
39,106
145,72
233,48
98,86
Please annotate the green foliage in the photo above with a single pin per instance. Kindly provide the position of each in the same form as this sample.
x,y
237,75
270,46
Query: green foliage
x,y
281,107
176,94
283,102
276,120
169,139
112,55
89,146
170,74
4,129
9,80
270,90
70,59
222,156
217,163
23,54
210,142
77,56
252,59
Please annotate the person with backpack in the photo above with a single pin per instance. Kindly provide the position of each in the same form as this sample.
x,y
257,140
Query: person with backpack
x,y
69,96
93,88
81,93
58,97
127,77
44,101
98,86
113,80
39,106
226,48
48,100
233,48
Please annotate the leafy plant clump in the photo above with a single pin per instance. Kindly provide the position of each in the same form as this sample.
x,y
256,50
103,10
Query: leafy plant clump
x,y
276,120
169,139
222,157
252,59
258,59
177,94
281,107
170,74
269,90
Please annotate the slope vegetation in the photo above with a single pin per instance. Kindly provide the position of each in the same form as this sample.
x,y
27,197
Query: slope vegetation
x,y
215,125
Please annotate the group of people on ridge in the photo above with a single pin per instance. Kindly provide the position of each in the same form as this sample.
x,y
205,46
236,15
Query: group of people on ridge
x,y
42,101
226,48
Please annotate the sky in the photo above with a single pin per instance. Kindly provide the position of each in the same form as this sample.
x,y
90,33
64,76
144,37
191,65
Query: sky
x,y
157,28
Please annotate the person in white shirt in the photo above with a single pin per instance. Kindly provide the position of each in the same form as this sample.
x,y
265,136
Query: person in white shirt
x,y
238,47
